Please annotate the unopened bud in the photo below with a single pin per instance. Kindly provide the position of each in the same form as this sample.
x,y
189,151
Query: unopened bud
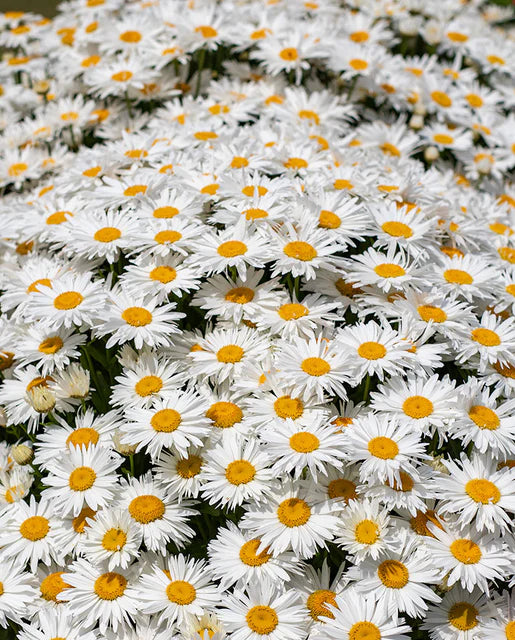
x,y
41,87
484,166
22,454
420,108
41,399
416,122
123,449
438,465
3,417
409,26
431,154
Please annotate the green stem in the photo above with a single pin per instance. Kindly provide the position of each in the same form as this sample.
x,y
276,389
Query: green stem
x,y
201,59
131,461
366,390
128,103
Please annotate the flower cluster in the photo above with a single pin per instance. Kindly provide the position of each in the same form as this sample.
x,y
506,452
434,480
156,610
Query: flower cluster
x,y
257,343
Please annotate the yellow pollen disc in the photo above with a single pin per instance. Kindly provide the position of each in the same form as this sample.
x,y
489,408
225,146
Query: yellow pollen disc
x,y
82,479
254,213
492,59
456,36
474,100
457,276
307,114
406,483
390,149
206,31
359,36
38,382
509,630
114,539
289,54
137,316
240,295
393,574
107,234
428,312
507,254
148,385
315,367
210,189
466,551
69,116
293,512
189,467
163,237
181,592
90,61
240,472
417,407
505,370
238,162
44,282
364,631
300,251
79,522
205,135
93,172
165,212
231,353
366,532
463,616
163,274
383,447
166,420
342,488
24,248
51,587
389,270
317,602
68,300
288,407
304,442
249,555
500,228
295,163
232,248
58,217
135,190
84,436
511,289
34,528
147,508
122,76
110,586
292,311
17,169
484,417
358,64
420,520
329,220
131,37
341,184
250,189
371,350
441,98
51,345
262,620
483,491
6,359
443,138
397,229
486,337
224,414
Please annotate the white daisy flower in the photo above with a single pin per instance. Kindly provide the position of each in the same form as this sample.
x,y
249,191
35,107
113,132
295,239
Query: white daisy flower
x,y
364,529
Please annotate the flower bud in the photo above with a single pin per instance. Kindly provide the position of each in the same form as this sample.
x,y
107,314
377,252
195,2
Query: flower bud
x,y
416,122
431,154
22,454
41,399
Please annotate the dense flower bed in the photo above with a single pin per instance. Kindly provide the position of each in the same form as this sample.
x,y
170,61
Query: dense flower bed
x,y
256,333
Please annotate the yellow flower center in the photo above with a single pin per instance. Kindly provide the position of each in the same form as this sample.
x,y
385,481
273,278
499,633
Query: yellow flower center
x,y
83,436
371,350
122,76
397,229
181,592
329,220
292,311
364,631
500,228
443,138
17,169
483,491
135,190
341,184
148,385
35,528
147,508
189,467
44,282
51,587
82,479
166,420
299,250
68,300
463,616
288,407
389,270
240,472
110,586
366,532
137,316
441,98
166,236
249,555
254,213
428,312
420,520
417,407
507,254
92,172
50,345
308,114
493,59
466,551
293,512
69,116
206,31
342,488
315,367
114,539
107,234
238,162
505,370
58,217
317,602
79,522
406,482
289,54
131,37
484,417
383,447
304,442
240,295
510,630
163,274
457,276
358,64
250,189
165,212
295,163
232,248
231,353
359,36
262,619
224,414
486,337
393,574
